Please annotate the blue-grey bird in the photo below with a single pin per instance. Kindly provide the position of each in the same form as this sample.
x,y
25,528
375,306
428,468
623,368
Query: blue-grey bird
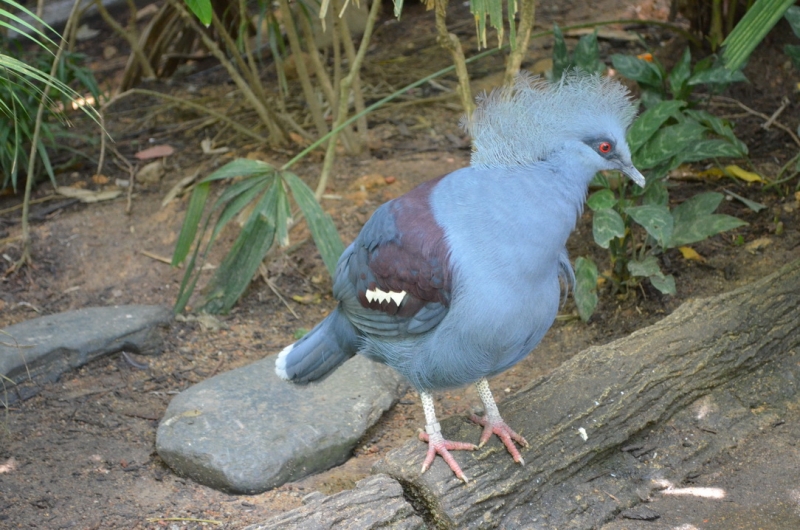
x,y
458,280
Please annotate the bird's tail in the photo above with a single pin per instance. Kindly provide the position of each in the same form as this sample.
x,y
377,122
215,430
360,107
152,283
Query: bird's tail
x,y
320,351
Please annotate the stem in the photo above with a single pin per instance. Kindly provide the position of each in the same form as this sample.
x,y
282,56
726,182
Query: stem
x,y
451,43
517,54
344,91
26,233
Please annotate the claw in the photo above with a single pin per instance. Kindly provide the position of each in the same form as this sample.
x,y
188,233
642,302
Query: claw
x,y
438,445
504,432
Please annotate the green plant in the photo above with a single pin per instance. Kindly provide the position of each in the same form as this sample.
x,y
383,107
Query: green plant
x,y
636,225
264,188
21,94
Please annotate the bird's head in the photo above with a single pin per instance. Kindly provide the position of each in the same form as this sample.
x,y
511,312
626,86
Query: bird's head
x,y
581,120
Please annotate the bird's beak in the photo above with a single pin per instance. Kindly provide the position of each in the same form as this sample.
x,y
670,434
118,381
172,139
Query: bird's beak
x,y
633,174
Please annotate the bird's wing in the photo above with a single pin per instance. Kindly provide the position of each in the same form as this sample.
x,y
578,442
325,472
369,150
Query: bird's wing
x,y
394,279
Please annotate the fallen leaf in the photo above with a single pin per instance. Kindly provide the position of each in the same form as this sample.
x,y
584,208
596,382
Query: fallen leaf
x,y
9,466
314,298
743,174
691,254
150,173
87,196
758,244
209,149
100,179
712,172
157,151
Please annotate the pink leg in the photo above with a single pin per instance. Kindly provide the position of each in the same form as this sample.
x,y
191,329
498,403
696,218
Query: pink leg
x,y
493,424
436,442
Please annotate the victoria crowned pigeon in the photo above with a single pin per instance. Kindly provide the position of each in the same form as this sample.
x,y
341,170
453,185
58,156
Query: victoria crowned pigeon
x,y
458,279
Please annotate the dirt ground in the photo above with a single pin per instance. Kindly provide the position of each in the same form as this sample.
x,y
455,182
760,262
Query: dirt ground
x,y
81,452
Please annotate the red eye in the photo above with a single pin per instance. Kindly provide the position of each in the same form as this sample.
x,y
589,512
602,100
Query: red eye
x,y
604,147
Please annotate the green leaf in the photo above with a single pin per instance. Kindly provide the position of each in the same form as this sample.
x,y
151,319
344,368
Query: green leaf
x,y
255,186
664,283
241,167
694,220
600,200
191,222
320,223
560,55
717,76
751,30
645,268
650,121
639,70
606,225
793,51
585,287
655,193
680,75
719,126
705,149
201,9
587,55
753,205
793,18
668,142
398,8
657,220
283,217
240,264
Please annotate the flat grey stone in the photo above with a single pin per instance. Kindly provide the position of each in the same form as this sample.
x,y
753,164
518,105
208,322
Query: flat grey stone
x,y
41,349
247,431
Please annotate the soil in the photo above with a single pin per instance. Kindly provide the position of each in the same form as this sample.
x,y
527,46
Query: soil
x,y
81,452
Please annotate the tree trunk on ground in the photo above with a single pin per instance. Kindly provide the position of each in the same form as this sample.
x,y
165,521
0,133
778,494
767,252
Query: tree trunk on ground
x,y
730,357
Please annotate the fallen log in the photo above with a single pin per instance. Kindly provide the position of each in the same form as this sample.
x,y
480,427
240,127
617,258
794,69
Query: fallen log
x,y
608,395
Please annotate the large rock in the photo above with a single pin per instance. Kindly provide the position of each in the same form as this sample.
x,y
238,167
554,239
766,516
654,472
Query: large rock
x,y
41,349
246,431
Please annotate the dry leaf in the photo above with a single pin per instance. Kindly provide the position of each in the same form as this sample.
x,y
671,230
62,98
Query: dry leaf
x,y
691,254
9,466
100,179
209,149
314,298
88,196
712,172
758,244
157,151
742,174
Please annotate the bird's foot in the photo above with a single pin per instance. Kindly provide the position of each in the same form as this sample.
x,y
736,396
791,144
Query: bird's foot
x,y
438,445
504,432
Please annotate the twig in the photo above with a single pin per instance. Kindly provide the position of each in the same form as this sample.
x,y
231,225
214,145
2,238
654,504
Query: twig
x,y
771,120
775,122
34,201
189,519
156,257
263,271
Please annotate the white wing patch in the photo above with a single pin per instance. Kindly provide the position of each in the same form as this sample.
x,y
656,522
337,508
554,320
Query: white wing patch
x,y
382,296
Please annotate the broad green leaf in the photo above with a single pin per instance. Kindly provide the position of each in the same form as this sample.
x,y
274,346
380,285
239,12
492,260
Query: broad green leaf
x,y
705,149
680,75
560,55
639,70
656,193
606,225
587,55
719,126
717,76
664,283
793,51
201,9
240,264
585,287
694,220
191,222
657,220
241,167
645,268
793,18
667,142
650,121
235,189
600,200
751,30
320,223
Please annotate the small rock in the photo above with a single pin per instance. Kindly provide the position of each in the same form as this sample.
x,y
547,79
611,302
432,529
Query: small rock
x,y
247,431
48,346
